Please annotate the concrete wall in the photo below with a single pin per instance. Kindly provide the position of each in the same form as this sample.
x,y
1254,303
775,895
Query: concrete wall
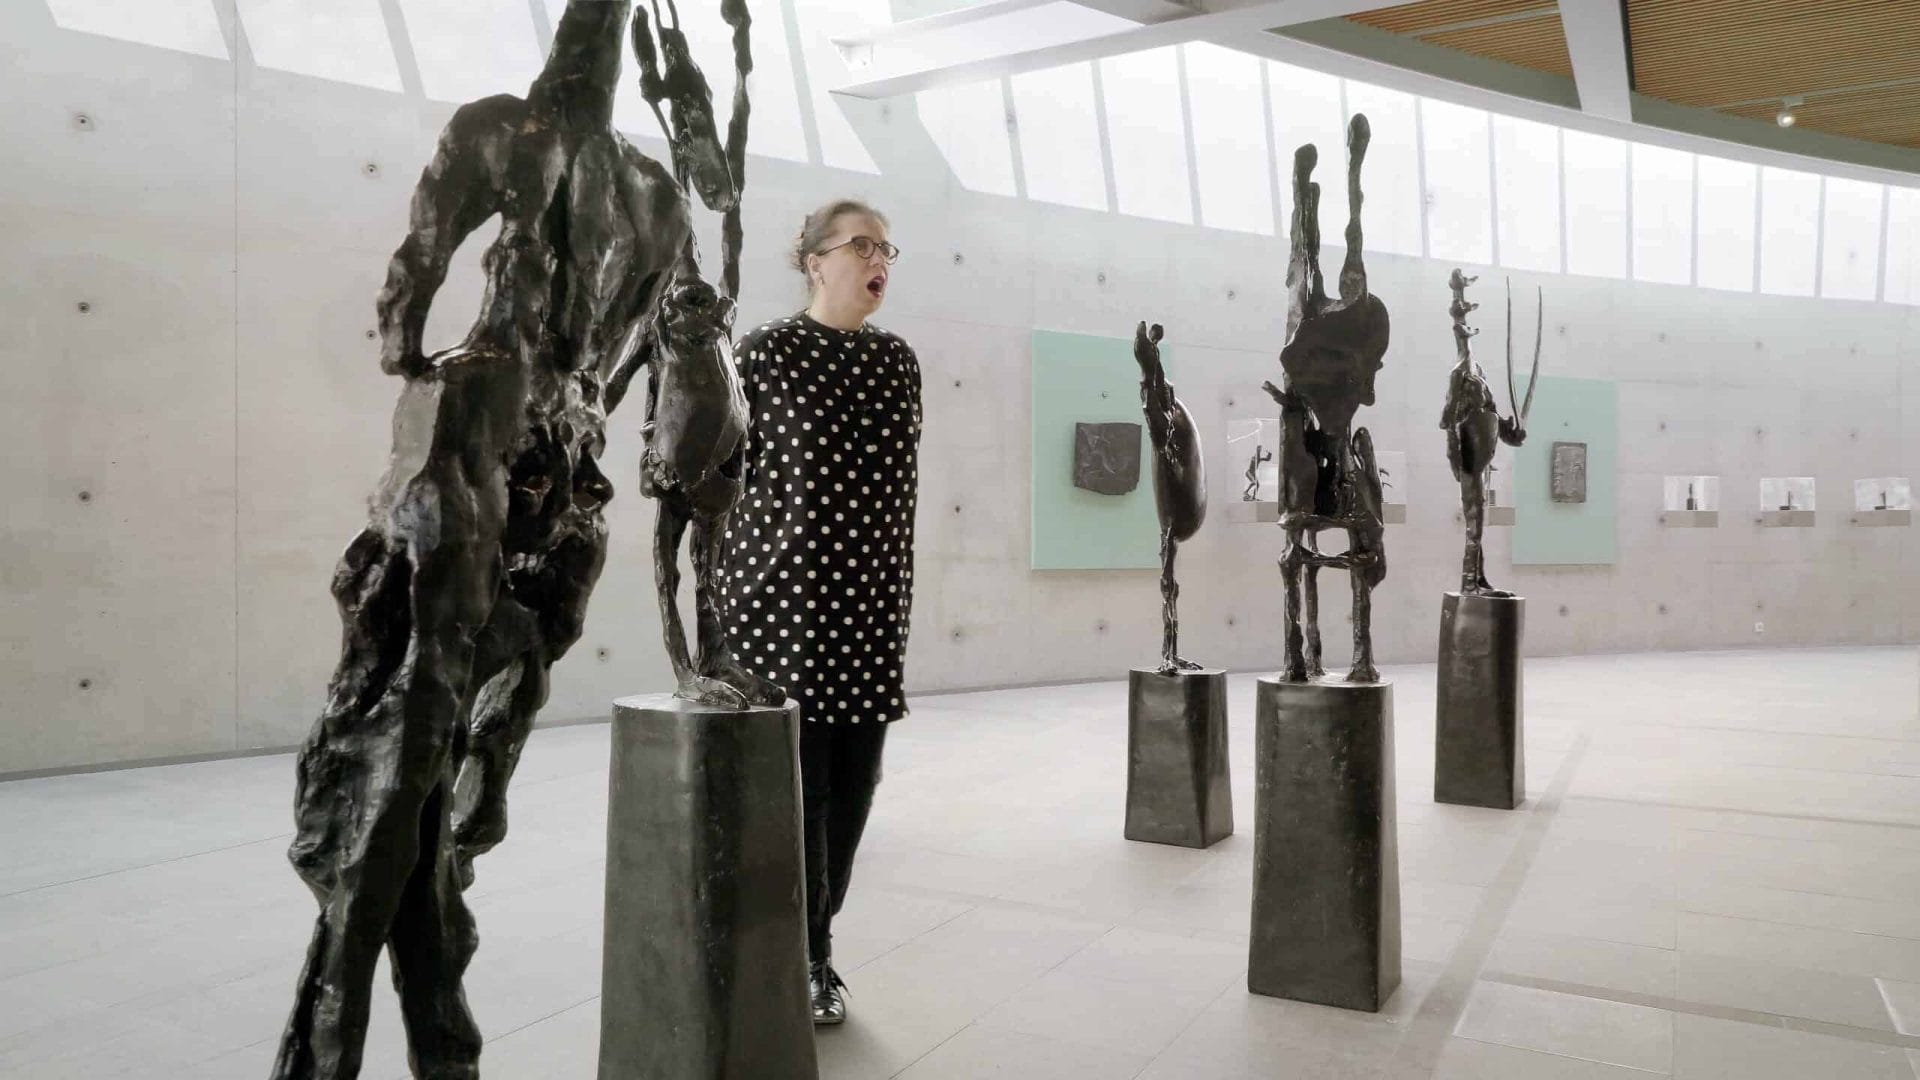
x,y
222,410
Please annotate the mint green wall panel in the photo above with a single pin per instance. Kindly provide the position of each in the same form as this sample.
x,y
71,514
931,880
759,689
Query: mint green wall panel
x,y
1079,378
1547,533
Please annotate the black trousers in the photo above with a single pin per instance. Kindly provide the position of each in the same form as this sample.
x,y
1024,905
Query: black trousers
x,y
839,770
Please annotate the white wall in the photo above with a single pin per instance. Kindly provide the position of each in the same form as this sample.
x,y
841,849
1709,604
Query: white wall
x,y
224,410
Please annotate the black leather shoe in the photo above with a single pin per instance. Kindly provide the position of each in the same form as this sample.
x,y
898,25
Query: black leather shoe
x,y
828,992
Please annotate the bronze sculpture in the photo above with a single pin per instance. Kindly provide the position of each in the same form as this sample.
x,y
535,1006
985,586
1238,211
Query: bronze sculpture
x,y
1179,482
484,537
1475,428
1329,476
1261,455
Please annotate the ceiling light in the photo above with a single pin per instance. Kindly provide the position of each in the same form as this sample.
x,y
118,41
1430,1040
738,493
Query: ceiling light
x,y
1785,118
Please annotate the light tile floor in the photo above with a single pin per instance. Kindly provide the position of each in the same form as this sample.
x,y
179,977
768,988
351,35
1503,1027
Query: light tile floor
x,y
1716,874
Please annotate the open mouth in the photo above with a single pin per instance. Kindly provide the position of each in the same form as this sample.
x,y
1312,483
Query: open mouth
x,y
877,286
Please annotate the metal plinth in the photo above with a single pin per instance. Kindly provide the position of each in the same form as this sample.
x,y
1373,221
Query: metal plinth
x,y
1479,756
705,968
1326,864
1178,791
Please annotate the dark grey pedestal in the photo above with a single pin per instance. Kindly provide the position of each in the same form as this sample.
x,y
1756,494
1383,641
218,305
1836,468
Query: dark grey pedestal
x,y
1479,754
1177,786
1326,865
705,969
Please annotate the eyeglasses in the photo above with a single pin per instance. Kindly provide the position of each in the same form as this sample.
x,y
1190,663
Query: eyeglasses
x,y
865,246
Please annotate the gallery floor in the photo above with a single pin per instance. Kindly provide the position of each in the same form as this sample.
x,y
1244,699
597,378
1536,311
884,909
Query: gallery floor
x,y
1715,875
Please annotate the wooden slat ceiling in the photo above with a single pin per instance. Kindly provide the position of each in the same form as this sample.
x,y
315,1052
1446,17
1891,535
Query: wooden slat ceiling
x,y
1855,62
1523,32
1725,54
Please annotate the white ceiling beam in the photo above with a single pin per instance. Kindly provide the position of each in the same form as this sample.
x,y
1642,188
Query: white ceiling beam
x,y
963,65
1596,33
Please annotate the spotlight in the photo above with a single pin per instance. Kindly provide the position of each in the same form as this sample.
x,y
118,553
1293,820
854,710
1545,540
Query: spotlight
x,y
1785,118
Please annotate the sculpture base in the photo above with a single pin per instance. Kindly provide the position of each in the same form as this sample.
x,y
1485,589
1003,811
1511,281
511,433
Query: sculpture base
x,y
705,964
1178,791
1326,864
1882,518
1479,752
1785,519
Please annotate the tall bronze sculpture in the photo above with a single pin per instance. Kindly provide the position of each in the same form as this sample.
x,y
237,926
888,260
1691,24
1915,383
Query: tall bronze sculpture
x,y
1329,476
1179,482
1475,428
1178,789
1325,923
485,536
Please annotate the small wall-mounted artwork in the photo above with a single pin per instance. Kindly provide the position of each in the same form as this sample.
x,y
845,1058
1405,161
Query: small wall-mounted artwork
x,y
1691,502
1883,500
1393,486
1568,478
1786,501
1106,457
1255,470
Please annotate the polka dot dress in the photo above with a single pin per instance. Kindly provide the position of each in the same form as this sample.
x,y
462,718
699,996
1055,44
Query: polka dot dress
x,y
820,582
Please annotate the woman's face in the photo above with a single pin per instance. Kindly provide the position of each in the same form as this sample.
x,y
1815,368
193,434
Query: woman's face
x,y
841,277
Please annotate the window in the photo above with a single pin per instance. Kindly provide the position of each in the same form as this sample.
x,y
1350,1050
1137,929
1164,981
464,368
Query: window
x,y
1526,163
183,25
1850,251
345,40
1789,231
470,49
1390,180
969,126
1725,212
1306,109
1662,214
1903,245
1148,134
1229,139
1059,139
1459,199
1595,173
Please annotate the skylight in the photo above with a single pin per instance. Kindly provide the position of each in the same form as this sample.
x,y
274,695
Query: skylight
x,y
189,26
342,40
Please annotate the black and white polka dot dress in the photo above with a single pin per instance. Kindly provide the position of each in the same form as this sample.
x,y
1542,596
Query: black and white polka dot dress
x,y
820,582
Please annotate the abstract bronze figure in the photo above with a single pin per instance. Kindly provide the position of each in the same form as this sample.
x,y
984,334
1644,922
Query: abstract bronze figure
x,y
541,609
1179,482
1329,478
1261,455
1475,428
483,540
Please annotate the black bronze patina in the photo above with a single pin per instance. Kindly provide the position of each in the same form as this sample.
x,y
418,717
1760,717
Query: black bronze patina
x,y
1475,428
697,417
1329,478
1179,482
484,540
1261,455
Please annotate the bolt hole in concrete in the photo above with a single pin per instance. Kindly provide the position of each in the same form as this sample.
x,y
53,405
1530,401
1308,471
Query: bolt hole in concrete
x,y
371,168
371,335
1101,277
86,496
958,258
956,509
956,635
1100,627
82,122
1563,609
956,384
86,684
1663,609
603,653
84,307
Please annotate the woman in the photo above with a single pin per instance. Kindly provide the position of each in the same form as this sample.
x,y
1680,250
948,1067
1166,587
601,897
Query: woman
x,y
821,546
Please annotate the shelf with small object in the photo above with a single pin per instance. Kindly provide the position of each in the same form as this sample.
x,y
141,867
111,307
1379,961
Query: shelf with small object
x,y
1690,502
1250,443
1883,501
1786,502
